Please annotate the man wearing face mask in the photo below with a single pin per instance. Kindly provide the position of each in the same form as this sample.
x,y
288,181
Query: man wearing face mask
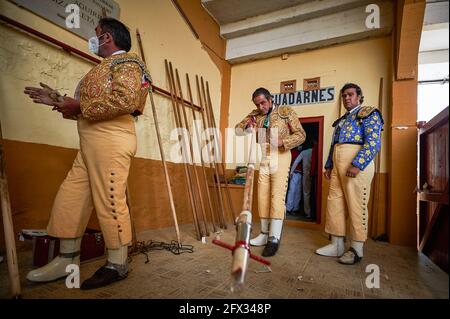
x,y
350,169
106,101
282,124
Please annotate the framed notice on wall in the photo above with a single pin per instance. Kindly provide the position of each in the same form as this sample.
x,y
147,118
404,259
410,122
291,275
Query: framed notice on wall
x,y
77,16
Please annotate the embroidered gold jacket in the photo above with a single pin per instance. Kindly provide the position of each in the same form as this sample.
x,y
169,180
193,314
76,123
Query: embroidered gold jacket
x,y
284,119
107,92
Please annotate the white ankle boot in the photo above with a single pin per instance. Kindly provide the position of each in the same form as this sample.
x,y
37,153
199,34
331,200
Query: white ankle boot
x,y
335,249
262,238
69,254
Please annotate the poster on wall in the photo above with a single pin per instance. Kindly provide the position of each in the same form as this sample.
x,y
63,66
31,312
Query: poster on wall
x,y
305,97
77,16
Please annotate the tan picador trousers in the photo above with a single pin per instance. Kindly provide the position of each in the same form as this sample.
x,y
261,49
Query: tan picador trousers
x,y
98,179
348,195
272,185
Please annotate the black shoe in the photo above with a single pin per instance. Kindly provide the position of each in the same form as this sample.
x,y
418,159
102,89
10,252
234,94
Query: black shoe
x,y
351,257
271,247
102,277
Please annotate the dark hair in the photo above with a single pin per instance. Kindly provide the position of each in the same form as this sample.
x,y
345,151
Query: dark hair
x,y
118,31
262,91
353,86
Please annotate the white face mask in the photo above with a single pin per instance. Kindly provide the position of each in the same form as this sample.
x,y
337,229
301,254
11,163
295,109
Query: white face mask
x,y
94,45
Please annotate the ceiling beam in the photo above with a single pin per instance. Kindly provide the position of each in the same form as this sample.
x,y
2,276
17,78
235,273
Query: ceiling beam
x,y
227,11
335,28
431,57
436,12
301,12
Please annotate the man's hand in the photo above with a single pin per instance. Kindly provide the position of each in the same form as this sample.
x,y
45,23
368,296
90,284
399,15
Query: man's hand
x,y
43,95
352,171
280,142
251,122
68,107
327,173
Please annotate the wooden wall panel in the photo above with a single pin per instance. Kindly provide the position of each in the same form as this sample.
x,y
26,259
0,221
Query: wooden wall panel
x,y
433,197
35,172
402,225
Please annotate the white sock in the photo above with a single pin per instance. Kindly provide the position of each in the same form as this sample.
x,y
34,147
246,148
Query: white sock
x,y
265,225
276,225
118,256
67,246
337,240
358,246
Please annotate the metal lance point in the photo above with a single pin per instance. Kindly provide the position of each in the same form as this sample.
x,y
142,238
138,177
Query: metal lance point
x,y
241,251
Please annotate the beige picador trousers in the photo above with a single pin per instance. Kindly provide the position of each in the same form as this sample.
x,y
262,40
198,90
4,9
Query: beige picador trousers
x,y
348,196
272,185
98,179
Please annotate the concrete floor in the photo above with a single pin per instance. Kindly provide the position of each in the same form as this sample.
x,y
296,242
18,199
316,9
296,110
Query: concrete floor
x,y
296,272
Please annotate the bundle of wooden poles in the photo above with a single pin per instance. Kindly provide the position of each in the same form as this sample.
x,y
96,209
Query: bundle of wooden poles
x,y
207,206
208,211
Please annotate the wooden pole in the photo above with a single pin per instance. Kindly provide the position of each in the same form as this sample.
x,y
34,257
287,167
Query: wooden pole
x,y
8,226
248,189
376,187
161,151
227,190
179,93
241,252
216,166
187,176
215,174
205,177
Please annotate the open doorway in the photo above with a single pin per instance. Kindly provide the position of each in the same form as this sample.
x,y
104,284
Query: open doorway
x,y
303,198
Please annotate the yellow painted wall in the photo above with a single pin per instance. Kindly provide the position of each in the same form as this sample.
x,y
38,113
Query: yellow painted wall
x,y
25,60
362,62
40,146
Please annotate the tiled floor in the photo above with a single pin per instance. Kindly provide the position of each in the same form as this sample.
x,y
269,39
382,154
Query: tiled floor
x,y
296,272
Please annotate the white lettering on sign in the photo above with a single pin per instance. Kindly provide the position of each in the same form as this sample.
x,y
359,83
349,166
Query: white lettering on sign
x,y
323,95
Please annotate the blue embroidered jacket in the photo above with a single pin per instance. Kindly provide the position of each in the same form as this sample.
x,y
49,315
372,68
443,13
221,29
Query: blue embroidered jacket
x,y
362,127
